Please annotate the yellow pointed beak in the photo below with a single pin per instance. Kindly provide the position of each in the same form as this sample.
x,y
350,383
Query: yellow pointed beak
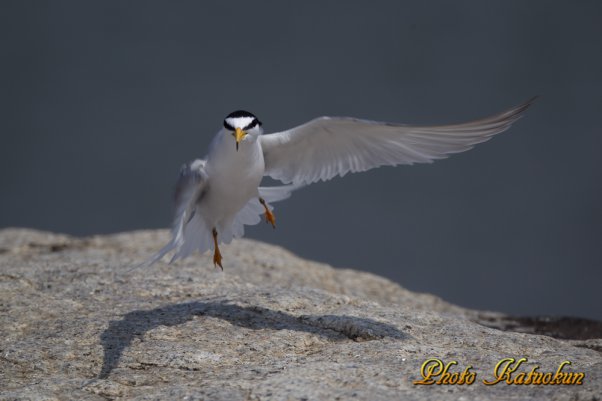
x,y
239,135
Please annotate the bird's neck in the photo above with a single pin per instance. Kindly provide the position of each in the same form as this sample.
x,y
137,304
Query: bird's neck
x,y
225,151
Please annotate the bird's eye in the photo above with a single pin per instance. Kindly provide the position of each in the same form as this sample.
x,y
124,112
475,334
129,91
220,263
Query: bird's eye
x,y
228,126
253,124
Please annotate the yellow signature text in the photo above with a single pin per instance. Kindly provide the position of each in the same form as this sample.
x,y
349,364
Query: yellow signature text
x,y
506,372
509,371
435,369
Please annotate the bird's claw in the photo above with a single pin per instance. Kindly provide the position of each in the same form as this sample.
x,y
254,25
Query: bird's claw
x,y
217,259
217,256
270,218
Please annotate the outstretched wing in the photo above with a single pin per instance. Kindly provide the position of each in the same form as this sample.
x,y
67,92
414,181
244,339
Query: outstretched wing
x,y
329,146
189,188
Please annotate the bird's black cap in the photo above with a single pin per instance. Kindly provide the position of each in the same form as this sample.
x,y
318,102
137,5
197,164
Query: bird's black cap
x,y
240,113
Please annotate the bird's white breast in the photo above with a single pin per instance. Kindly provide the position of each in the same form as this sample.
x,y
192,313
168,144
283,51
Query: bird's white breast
x,y
233,178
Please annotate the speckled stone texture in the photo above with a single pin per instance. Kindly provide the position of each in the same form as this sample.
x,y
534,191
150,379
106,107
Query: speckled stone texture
x,y
75,325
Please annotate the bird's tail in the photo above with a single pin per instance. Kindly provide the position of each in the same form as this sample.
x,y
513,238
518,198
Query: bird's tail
x,y
191,236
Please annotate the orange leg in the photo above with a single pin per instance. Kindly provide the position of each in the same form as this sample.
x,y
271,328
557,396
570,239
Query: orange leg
x,y
217,256
269,216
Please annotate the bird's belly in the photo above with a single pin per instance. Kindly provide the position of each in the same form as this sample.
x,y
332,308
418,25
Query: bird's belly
x,y
233,178
227,194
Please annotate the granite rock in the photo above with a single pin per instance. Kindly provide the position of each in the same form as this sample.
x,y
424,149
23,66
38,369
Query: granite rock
x,y
75,324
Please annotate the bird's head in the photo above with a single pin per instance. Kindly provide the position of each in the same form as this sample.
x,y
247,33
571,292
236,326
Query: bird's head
x,y
242,123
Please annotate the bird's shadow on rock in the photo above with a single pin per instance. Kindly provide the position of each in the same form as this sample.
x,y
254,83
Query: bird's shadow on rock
x,y
120,333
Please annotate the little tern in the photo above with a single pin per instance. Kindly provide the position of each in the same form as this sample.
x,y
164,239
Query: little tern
x,y
217,196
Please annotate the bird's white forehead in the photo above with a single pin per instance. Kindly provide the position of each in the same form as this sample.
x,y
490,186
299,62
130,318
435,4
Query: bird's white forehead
x,y
239,122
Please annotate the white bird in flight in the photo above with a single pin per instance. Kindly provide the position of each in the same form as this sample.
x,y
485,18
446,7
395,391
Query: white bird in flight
x,y
216,196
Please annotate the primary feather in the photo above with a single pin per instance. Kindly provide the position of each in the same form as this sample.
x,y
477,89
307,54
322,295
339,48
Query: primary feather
x,y
334,146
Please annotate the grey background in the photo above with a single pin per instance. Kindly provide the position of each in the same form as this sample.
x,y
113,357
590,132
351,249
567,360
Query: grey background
x,y
103,100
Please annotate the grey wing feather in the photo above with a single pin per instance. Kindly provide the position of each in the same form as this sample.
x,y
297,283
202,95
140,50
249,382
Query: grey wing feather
x,y
333,146
189,188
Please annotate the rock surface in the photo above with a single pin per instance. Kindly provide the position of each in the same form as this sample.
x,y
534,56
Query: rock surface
x,y
75,325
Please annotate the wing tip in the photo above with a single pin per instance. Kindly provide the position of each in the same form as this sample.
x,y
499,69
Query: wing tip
x,y
526,104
